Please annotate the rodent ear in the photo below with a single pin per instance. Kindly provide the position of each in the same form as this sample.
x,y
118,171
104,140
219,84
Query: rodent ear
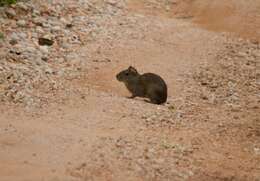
x,y
132,69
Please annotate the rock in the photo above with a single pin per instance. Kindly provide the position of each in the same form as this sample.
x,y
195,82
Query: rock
x,y
34,35
242,54
30,49
214,85
46,25
48,70
13,39
60,60
75,39
45,58
22,6
72,58
63,20
39,21
10,13
65,45
257,151
14,36
112,2
13,42
21,23
56,29
39,30
44,50
35,13
38,61
45,41
2,20
69,25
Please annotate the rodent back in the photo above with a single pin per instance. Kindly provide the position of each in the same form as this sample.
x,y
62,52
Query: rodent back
x,y
153,79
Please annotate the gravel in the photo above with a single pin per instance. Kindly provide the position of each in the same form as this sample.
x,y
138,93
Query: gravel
x,y
48,31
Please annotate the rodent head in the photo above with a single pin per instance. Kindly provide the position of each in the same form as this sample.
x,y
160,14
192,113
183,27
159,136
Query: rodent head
x,y
127,74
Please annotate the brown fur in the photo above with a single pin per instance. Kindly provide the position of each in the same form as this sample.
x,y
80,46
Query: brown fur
x,y
147,85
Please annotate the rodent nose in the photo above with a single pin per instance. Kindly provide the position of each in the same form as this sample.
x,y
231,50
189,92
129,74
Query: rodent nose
x,y
118,78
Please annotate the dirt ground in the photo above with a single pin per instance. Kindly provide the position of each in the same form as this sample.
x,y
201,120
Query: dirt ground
x,y
239,17
209,129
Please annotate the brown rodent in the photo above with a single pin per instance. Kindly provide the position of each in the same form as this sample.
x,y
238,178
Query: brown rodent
x,y
147,85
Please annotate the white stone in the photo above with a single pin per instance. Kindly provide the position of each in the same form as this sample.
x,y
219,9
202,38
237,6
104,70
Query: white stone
x,y
21,23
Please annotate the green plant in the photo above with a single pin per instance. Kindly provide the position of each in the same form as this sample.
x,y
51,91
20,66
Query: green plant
x,y
7,2
1,36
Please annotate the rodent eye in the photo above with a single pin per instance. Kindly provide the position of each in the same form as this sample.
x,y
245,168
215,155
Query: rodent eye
x,y
126,73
